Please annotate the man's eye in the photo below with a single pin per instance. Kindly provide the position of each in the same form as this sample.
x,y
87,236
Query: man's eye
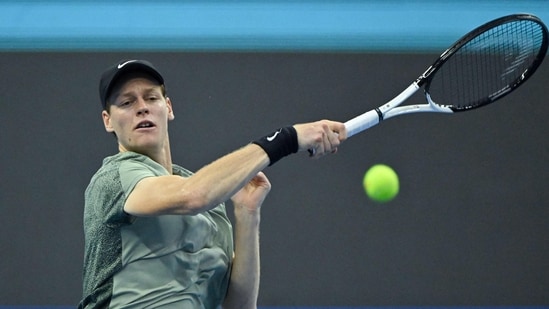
x,y
124,103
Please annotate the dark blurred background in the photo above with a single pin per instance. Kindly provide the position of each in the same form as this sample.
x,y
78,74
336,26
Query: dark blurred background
x,y
469,227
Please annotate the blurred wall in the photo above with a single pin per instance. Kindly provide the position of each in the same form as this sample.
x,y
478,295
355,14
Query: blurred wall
x,y
469,226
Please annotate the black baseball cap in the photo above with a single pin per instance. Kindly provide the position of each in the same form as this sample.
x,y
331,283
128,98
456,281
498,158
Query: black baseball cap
x,y
110,76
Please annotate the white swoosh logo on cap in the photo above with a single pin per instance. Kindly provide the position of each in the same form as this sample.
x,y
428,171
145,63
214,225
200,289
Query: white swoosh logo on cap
x,y
123,64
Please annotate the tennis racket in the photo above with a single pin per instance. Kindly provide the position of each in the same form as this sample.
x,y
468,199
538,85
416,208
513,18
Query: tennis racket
x,y
480,68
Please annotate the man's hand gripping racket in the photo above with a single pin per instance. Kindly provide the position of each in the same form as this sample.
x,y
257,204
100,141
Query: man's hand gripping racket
x,y
483,66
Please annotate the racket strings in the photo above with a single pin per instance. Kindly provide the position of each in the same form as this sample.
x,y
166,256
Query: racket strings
x,y
488,66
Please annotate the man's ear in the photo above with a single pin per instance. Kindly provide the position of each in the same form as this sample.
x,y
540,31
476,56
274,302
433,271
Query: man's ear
x,y
171,115
107,121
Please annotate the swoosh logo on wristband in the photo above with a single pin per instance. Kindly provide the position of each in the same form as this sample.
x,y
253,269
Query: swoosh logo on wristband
x,y
271,138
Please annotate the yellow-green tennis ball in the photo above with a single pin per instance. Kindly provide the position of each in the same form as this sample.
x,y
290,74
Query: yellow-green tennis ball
x,y
381,183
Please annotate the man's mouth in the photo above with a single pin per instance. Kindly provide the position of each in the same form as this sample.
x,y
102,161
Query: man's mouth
x,y
144,125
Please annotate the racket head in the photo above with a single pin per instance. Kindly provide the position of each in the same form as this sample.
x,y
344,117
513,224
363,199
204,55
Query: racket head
x,y
487,63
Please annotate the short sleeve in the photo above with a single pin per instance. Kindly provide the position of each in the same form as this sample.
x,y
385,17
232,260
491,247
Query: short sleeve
x,y
133,171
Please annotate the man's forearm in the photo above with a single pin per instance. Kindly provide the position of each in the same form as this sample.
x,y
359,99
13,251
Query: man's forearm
x,y
245,275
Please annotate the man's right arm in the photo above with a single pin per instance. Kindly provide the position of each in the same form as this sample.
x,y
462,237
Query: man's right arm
x,y
220,180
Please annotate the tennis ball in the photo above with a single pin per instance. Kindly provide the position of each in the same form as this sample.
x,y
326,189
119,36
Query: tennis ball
x,y
381,183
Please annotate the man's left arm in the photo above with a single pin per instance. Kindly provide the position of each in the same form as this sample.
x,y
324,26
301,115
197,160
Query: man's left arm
x,y
244,283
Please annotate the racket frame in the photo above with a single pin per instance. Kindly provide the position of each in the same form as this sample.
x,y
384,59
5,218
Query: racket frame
x,y
392,108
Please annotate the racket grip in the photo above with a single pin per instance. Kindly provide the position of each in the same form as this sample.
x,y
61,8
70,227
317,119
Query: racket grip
x,y
362,122
359,124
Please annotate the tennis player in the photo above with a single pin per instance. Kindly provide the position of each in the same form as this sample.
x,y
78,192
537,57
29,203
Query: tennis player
x,y
156,234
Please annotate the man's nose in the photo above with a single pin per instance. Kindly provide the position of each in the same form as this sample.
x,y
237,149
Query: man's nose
x,y
142,107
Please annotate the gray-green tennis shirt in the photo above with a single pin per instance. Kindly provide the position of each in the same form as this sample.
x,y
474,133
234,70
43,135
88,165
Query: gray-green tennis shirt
x,y
150,262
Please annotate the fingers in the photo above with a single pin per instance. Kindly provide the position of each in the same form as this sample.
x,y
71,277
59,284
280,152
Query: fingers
x,y
321,137
338,128
251,196
260,181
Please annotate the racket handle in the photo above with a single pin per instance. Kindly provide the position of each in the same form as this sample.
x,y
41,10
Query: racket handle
x,y
362,122
359,124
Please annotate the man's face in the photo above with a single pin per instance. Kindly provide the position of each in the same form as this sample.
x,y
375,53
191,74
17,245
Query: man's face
x,y
138,114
